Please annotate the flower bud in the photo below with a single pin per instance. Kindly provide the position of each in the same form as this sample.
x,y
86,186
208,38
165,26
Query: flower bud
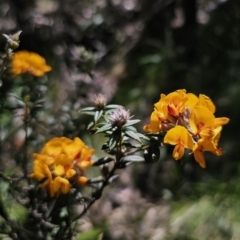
x,y
82,180
119,117
100,101
13,44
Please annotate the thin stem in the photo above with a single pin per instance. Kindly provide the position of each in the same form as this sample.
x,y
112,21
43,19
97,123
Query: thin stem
x,y
25,155
136,150
100,190
8,179
5,59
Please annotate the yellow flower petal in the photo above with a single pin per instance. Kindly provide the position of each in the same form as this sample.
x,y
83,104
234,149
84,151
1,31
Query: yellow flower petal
x,y
161,110
221,121
154,122
179,135
178,151
192,100
60,185
198,155
205,101
59,170
209,146
200,118
70,173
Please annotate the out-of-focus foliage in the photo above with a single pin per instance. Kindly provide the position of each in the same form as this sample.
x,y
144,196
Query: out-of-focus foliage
x,y
140,48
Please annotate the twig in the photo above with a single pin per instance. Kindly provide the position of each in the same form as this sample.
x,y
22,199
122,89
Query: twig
x,y
100,190
8,179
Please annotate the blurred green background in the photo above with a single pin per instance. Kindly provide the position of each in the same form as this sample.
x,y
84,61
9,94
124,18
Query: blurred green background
x,y
139,49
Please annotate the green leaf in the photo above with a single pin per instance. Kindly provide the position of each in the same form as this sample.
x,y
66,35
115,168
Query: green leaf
x,y
92,234
112,106
105,118
113,142
91,124
103,161
132,122
127,144
104,128
97,115
114,139
17,97
40,101
113,178
129,128
122,165
142,136
88,113
134,158
87,109
96,180
152,154
133,135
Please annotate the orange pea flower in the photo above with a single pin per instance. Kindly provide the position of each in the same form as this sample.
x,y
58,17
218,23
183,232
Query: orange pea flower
x,y
188,122
61,163
29,62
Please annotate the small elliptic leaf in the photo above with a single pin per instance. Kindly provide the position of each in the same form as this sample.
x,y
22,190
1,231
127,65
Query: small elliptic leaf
x,y
125,139
112,143
114,139
97,193
105,118
104,128
152,154
88,113
113,178
104,169
95,180
122,164
105,146
15,96
132,122
103,161
144,137
97,115
129,128
20,103
40,101
91,124
128,144
133,135
87,109
134,158
112,106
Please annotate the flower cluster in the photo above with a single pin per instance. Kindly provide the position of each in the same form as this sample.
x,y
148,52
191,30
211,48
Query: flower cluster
x,y
29,62
61,163
188,122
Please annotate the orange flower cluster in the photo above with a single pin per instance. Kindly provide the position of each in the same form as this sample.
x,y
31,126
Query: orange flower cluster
x,y
189,122
29,62
61,163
